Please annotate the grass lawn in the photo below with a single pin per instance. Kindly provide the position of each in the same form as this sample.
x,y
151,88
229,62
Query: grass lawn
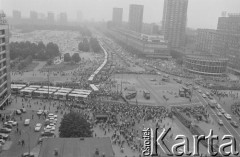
x,y
60,67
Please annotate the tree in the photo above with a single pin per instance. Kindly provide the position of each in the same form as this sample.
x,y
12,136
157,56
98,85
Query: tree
x,y
67,57
76,58
95,45
52,50
49,62
74,124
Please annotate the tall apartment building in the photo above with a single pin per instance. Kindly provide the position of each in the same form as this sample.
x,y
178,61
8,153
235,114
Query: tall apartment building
x,y
227,40
50,17
205,39
16,14
79,16
117,16
135,17
174,22
33,15
63,18
5,80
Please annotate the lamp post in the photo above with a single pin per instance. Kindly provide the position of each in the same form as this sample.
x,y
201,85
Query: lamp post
x,y
27,132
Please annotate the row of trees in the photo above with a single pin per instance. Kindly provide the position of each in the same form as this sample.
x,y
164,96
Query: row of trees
x,y
75,58
86,44
38,51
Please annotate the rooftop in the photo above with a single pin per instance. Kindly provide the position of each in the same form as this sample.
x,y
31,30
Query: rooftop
x,y
76,147
207,57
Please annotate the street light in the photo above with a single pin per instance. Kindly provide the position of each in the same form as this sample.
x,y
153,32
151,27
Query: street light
x,y
28,141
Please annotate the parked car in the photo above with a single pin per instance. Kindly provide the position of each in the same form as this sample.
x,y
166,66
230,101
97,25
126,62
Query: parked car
x,y
47,133
204,96
5,130
38,127
2,141
39,112
23,110
218,106
4,136
234,124
27,122
219,113
220,122
28,155
227,116
14,123
7,125
18,112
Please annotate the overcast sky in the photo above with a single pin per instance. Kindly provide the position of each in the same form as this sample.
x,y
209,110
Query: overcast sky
x,y
201,13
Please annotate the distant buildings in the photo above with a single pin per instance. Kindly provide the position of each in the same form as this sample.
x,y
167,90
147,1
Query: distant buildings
x,y
79,16
174,22
205,39
148,46
5,79
16,15
227,40
50,17
33,15
63,18
135,18
117,16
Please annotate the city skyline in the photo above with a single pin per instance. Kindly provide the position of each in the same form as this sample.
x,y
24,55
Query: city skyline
x,y
197,9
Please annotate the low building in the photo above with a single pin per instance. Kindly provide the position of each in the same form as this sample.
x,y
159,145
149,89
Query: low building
x,y
148,46
76,147
205,65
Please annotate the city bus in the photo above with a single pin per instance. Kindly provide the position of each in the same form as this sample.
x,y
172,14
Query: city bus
x,y
146,94
76,97
26,92
42,94
60,96
131,95
15,88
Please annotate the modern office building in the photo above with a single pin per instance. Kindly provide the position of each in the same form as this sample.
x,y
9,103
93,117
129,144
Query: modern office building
x,y
63,18
174,22
33,15
5,80
143,45
205,39
135,18
227,40
117,16
207,65
79,16
16,14
50,17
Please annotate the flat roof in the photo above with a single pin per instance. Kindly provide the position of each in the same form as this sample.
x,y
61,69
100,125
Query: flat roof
x,y
207,58
75,147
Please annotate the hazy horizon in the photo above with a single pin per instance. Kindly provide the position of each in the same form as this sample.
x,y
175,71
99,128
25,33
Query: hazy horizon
x,y
201,13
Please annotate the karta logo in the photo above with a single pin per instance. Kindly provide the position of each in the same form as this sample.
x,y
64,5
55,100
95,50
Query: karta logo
x,y
152,141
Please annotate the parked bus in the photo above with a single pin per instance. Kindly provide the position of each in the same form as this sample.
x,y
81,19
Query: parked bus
x,y
131,95
15,88
26,92
60,96
76,97
146,94
42,94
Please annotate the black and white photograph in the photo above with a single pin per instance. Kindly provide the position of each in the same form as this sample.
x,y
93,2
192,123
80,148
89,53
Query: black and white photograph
x,y
119,78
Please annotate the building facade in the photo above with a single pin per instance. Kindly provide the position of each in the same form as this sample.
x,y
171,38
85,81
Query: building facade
x,y
135,18
63,18
143,45
16,14
117,16
174,22
5,80
33,15
205,39
50,17
227,40
205,65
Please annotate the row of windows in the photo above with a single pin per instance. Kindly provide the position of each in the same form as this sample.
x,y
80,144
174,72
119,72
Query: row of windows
x,y
206,69
199,62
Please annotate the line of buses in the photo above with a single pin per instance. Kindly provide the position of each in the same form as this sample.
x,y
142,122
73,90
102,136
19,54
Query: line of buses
x,y
57,93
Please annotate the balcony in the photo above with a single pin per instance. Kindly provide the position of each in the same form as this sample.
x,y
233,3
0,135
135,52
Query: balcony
x,y
3,68
3,85
1,44
2,35
2,52
4,99
4,74
2,60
